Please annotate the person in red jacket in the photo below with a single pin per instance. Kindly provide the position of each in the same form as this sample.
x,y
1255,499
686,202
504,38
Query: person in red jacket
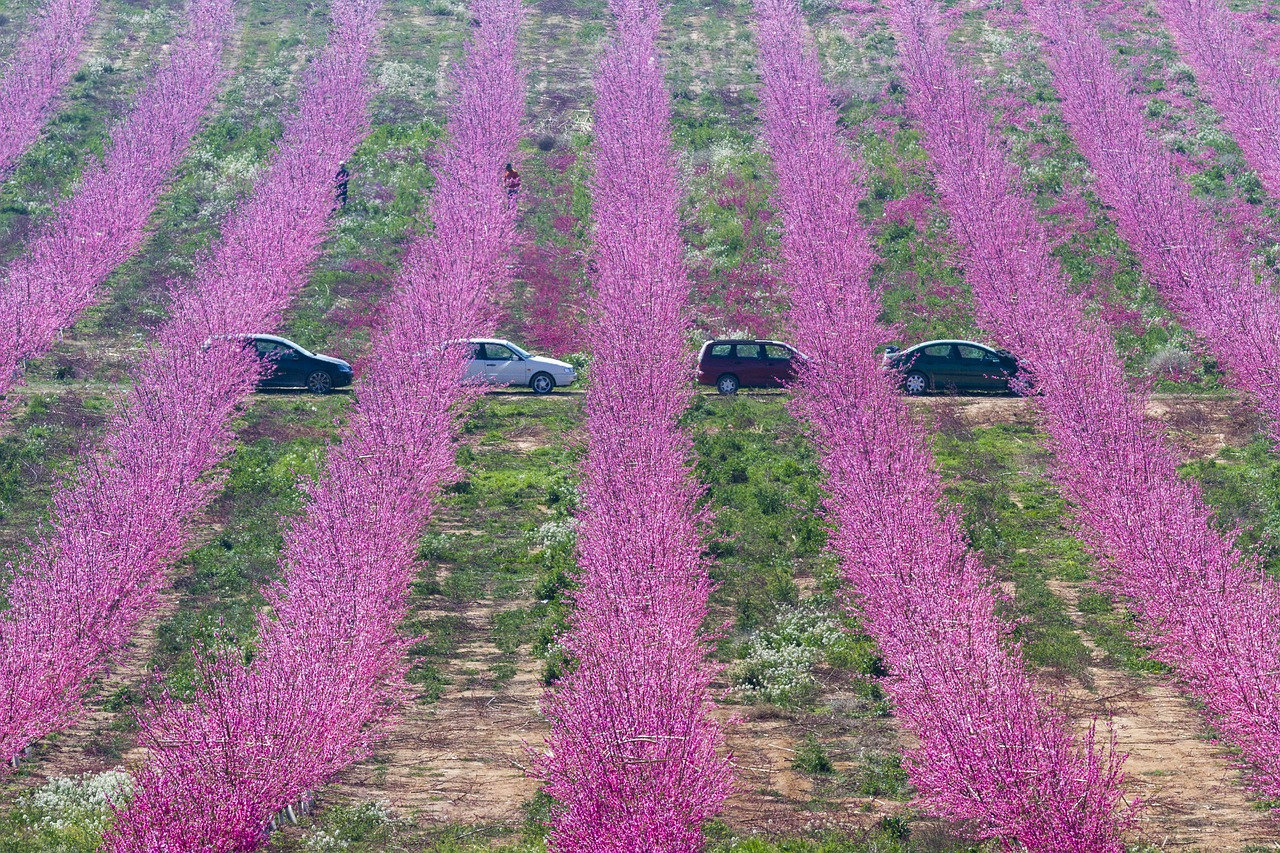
x,y
511,181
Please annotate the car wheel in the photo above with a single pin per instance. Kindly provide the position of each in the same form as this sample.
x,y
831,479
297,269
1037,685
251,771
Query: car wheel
x,y
915,383
542,383
727,384
320,382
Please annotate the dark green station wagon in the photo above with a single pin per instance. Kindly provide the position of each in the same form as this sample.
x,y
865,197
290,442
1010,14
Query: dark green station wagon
x,y
952,366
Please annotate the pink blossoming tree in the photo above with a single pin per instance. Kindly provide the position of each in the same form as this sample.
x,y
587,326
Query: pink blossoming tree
x,y
116,526
327,673
1205,609
1204,275
104,221
989,750
1238,79
632,759
43,63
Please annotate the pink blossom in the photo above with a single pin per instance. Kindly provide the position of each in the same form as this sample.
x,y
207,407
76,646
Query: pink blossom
x,y
1206,610
118,524
911,210
1204,275
632,759
551,320
327,675
1237,78
989,750
44,61
104,221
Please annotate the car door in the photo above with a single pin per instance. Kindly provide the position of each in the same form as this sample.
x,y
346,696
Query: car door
x,y
936,362
975,372
280,364
999,370
294,366
474,371
717,360
503,367
748,365
778,368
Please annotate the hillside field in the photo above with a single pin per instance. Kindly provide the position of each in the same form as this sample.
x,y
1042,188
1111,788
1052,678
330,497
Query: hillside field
x,y
816,746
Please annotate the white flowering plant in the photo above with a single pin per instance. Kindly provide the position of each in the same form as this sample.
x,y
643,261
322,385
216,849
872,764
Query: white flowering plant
x,y
776,663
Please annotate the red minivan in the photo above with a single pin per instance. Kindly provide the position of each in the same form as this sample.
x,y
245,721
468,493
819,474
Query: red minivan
x,y
734,364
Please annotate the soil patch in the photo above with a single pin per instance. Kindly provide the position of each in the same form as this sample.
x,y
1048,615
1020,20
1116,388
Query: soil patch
x,y
1193,797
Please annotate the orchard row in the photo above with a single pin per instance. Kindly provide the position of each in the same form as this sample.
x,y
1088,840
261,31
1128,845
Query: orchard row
x,y
635,758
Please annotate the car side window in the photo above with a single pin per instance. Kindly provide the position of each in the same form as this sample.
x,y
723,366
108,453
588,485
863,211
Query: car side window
x,y
721,350
775,351
497,352
938,351
275,351
477,351
747,350
972,353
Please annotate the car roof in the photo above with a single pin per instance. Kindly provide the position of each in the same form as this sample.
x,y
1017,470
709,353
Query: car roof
x,y
488,341
275,338
748,341
934,343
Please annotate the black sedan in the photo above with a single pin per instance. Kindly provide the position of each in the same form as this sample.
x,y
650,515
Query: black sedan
x,y
292,366
952,366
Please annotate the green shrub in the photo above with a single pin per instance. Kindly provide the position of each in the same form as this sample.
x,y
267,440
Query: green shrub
x,y
812,758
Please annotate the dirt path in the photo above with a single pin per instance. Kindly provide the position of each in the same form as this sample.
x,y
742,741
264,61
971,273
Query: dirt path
x,y
460,760
1194,797
1197,425
463,760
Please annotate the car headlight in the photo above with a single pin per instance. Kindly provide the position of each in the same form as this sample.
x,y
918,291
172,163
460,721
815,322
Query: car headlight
x,y
344,368
568,369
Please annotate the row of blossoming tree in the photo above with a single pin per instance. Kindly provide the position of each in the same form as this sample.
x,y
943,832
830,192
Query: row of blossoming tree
x,y
1236,75
42,64
77,599
1205,609
327,673
989,750
1203,274
104,221
632,759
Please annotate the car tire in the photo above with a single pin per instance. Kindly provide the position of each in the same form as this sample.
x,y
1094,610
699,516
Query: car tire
x,y
915,383
319,382
727,384
542,383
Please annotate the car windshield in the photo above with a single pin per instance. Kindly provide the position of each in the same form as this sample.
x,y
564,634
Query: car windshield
x,y
518,351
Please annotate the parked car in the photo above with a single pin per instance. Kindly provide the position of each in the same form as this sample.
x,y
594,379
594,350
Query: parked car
x,y
294,366
499,362
733,364
947,365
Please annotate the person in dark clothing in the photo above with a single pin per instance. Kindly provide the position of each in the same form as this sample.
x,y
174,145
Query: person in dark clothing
x,y
511,181
340,180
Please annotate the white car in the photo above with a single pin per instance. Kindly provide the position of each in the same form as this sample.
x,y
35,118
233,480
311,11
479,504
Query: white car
x,y
499,362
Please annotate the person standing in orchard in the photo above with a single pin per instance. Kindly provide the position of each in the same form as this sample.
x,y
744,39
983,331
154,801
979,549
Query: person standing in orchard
x,y
511,181
340,180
